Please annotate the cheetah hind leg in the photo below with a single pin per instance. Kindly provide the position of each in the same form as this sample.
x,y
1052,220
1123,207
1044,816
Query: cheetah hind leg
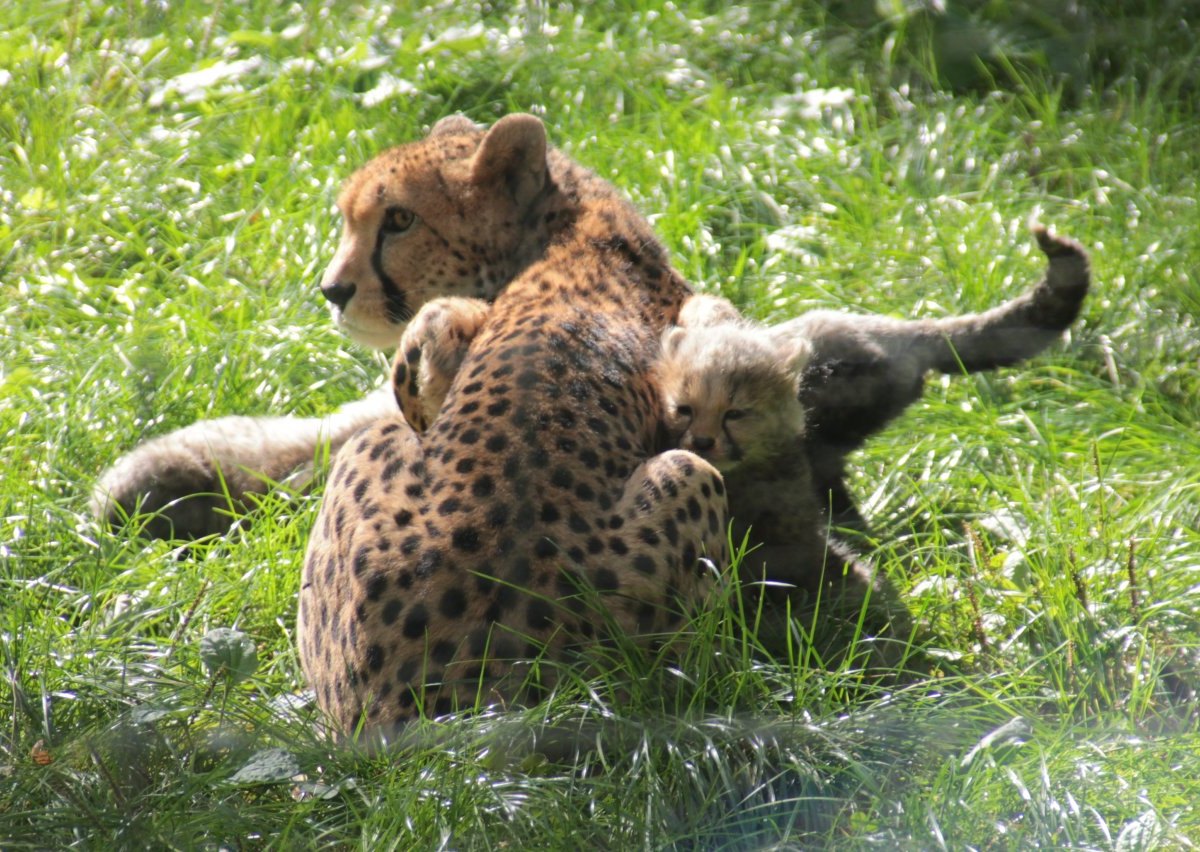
x,y
666,534
431,351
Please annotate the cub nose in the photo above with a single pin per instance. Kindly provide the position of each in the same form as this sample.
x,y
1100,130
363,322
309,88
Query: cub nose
x,y
338,293
703,445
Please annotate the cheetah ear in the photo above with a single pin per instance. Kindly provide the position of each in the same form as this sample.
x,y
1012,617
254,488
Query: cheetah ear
x,y
672,339
701,310
513,151
452,124
794,355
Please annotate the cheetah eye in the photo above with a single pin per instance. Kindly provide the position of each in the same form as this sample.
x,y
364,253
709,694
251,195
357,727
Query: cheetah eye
x,y
397,220
735,414
683,410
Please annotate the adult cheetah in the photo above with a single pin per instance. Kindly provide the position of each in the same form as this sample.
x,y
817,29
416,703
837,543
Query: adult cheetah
x,y
440,563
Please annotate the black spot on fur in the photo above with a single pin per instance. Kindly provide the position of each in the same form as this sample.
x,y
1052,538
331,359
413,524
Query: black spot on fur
x,y
539,615
520,572
718,485
429,562
453,603
605,580
442,652
497,515
466,539
477,642
391,611
484,486
407,671
362,559
391,468
528,380
416,623
376,586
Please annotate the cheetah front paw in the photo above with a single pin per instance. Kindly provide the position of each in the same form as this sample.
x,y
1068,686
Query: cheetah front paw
x,y
431,351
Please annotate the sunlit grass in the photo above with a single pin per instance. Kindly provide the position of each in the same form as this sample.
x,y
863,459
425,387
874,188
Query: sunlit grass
x,y
166,179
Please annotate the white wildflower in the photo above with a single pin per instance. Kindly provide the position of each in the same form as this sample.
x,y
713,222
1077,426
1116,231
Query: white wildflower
x,y
194,85
387,88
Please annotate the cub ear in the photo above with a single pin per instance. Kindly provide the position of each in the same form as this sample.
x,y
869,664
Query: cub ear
x,y
701,310
794,355
451,124
672,339
513,151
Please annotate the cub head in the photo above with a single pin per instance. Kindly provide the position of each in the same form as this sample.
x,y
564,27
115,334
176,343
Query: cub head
x,y
730,394
455,214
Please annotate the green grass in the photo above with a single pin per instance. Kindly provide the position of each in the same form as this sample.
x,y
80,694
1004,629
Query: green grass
x,y
158,251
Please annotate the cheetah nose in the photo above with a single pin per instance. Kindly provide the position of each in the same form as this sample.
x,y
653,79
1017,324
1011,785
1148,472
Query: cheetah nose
x,y
338,293
703,445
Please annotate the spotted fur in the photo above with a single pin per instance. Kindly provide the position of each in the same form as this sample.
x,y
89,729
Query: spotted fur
x,y
534,514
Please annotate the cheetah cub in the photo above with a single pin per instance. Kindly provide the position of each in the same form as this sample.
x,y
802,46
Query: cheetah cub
x,y
730,393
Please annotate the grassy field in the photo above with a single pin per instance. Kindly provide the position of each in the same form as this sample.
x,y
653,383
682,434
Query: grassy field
x,y
167,172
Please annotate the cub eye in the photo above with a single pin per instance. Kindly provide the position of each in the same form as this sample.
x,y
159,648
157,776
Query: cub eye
x,y
397,220
683,410
735,414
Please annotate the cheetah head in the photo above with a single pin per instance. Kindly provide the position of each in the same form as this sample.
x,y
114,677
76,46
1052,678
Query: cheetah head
x,y
453,214
730,394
